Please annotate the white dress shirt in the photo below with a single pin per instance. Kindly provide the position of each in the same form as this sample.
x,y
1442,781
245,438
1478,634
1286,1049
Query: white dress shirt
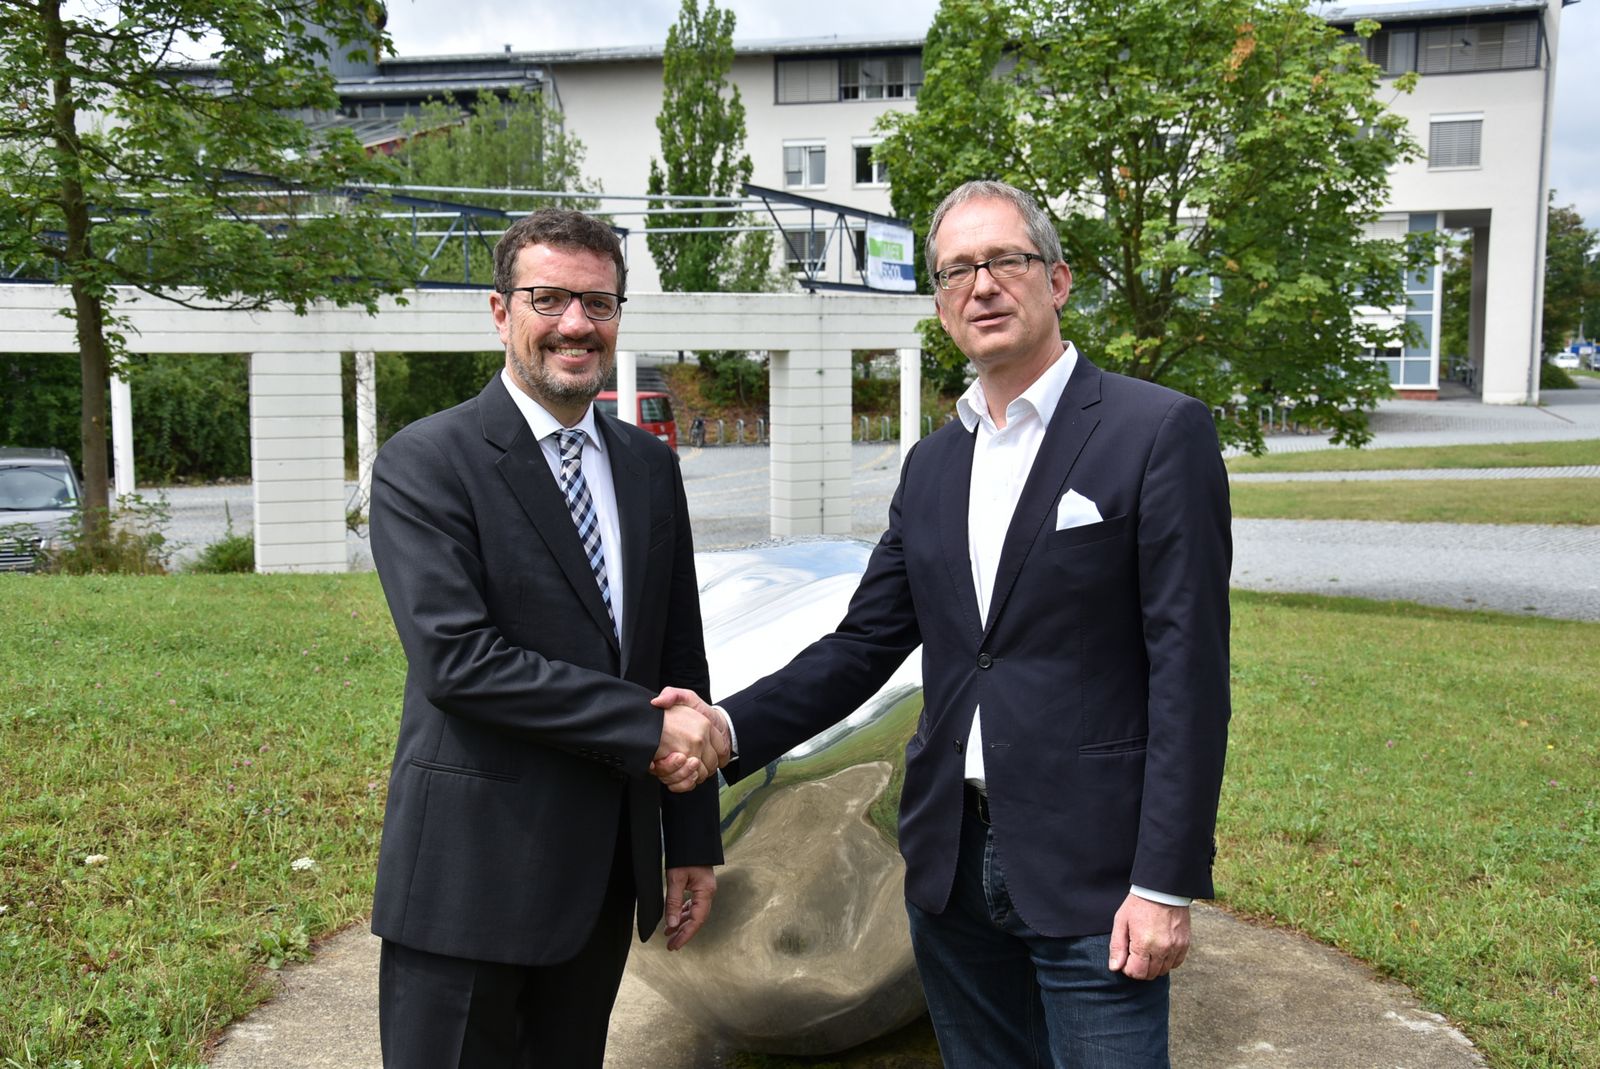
x,y
1002,457
596,472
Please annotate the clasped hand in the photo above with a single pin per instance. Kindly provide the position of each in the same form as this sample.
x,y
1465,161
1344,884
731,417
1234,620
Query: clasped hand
x,y
695,741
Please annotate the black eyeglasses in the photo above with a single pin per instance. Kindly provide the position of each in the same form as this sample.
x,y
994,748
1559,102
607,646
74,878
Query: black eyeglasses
x,y
1006,265
598,305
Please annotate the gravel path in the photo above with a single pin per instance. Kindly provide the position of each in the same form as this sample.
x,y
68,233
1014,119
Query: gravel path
x,y
1544,571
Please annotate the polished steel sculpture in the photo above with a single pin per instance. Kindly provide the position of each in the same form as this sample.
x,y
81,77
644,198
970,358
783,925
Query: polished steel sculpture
x,y
808,950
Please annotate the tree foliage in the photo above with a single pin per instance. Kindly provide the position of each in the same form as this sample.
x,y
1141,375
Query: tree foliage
x,y
517,143
124,164
1571,278
1212,167
702,155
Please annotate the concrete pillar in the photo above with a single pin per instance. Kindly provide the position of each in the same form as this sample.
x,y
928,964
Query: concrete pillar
x,y
910,399
810,404
297,462
366,424
1510,349
122,483
628,388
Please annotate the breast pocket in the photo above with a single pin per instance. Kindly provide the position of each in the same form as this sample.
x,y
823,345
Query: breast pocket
x,y
1086,534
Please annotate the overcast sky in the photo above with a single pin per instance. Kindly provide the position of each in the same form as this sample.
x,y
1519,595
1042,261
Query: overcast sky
x,y
434,27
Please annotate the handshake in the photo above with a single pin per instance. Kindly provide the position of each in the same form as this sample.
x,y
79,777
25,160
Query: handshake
x,y
696,740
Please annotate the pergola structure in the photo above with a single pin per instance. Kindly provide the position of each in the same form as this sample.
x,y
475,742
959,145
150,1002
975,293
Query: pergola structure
x,y
296,408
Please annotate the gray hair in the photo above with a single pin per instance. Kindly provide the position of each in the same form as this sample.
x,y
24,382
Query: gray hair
x,y
1041,231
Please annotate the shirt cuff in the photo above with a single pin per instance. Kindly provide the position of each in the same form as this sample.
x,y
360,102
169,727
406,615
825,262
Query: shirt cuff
x,y
733,736
1161,896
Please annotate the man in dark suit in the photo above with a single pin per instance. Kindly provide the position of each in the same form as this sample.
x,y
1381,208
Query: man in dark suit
x,y
1061,554
537,560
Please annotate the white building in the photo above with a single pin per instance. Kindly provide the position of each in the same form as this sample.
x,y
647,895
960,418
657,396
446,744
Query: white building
x,y
1482,111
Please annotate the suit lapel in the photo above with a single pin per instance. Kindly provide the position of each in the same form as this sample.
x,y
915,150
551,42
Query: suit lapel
x,y
630,479
527,473
1070,428
955,496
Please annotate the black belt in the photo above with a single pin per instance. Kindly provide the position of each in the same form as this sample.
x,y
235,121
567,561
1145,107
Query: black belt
x,y
977,802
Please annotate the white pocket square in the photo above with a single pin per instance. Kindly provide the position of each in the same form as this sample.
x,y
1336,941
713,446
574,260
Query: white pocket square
x,y
1075,510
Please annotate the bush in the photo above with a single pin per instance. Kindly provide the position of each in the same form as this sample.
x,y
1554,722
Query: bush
x,y
232,552
191,416
128,540
1554,378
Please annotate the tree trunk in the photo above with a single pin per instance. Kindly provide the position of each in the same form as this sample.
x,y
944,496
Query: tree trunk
x,y
88,298
95,367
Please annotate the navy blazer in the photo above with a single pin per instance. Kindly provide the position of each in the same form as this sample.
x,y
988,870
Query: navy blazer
x,y
527,730
1102,670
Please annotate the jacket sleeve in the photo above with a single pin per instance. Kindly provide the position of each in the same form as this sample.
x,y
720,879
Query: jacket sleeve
x,y
1185,556
690,823
835,675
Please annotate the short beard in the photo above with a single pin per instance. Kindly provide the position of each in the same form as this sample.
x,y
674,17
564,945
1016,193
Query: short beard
x,y
531,375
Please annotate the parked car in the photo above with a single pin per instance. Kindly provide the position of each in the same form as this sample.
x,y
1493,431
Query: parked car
x,y
1568,361
654,414
39,496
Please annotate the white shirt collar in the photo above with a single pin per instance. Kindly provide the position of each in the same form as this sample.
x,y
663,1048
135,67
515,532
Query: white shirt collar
x,y
1040,397
543,424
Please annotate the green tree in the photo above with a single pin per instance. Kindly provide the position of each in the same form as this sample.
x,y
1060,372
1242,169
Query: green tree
x,y
702,154
1570,278
1211,166
515,142
123,165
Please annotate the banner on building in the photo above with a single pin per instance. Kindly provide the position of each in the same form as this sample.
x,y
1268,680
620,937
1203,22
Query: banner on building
x,y
890,257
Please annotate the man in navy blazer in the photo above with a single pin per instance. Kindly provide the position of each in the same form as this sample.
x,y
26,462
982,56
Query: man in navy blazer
x,y
1062,555
523,830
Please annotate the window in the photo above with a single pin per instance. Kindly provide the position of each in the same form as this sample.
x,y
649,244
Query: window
x,y
869,172
805,165
880,77
807,81
807,249
1489,46
1455,141
1393,50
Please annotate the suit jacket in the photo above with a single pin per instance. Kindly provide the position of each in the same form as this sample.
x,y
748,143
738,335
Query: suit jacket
x,y
1102,669
527,728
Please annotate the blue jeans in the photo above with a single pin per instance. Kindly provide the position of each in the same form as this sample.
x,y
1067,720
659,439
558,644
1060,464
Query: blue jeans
x,y
1002,995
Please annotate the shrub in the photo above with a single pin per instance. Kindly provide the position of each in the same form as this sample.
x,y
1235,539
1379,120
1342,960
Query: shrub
x,y
128,540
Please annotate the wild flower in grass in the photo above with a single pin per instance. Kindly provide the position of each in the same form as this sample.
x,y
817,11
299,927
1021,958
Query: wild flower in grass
x,y
302,864
1389,745
96,859
4,908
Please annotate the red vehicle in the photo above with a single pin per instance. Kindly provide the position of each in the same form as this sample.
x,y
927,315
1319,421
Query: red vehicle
x,y
654,415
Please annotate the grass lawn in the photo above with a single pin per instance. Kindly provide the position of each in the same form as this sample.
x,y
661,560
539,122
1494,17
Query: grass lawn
x,y
1515,455
1543,501
1416,786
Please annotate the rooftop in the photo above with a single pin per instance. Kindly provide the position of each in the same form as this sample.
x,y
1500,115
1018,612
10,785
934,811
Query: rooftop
x,y
1408,10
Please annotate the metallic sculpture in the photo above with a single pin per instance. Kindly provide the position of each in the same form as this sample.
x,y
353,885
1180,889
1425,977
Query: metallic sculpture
x,y
808,950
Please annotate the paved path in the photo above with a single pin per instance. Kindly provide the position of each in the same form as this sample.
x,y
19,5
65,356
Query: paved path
x,y
1249,997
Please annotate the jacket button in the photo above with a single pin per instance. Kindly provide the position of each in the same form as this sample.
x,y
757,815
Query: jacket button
x,y
960,746
984,660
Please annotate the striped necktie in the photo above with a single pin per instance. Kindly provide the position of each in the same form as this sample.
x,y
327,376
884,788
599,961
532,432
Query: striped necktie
x,y
581,504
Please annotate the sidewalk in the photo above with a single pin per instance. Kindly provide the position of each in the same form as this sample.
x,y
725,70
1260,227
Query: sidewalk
x,y
1249,997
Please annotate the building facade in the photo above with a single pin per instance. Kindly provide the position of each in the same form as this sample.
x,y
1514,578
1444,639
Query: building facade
x,y
1482,111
